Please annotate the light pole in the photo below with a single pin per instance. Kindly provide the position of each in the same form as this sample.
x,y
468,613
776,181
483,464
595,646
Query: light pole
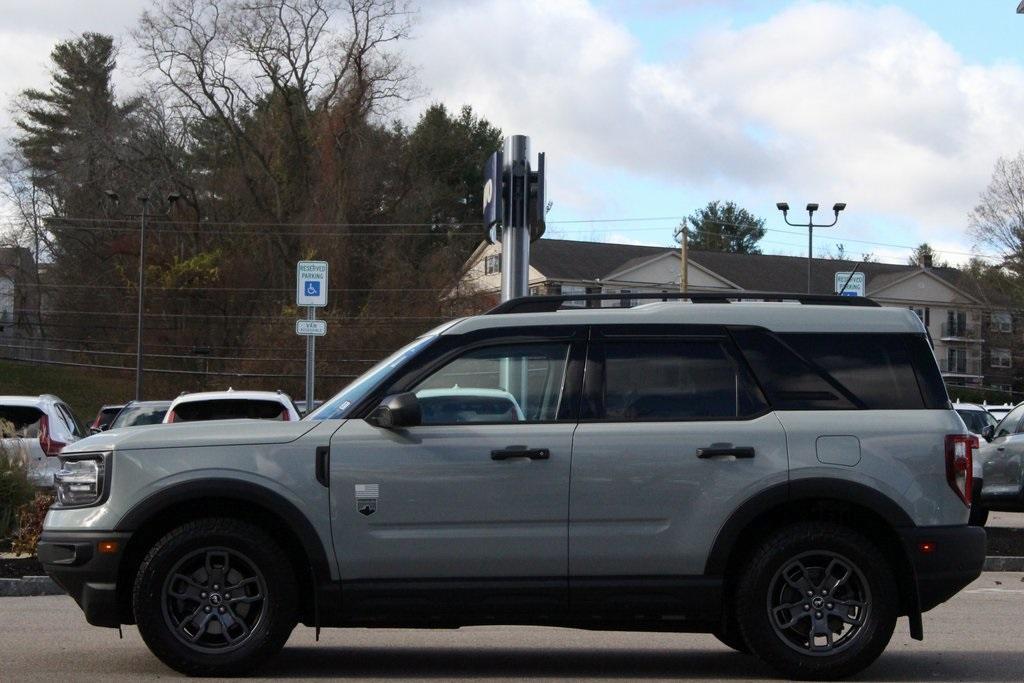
x,y
144,200
810,225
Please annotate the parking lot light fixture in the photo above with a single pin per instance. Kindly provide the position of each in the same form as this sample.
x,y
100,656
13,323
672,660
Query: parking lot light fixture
x,y
810,225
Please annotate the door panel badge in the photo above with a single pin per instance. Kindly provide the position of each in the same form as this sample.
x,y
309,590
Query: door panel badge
x,y
366,498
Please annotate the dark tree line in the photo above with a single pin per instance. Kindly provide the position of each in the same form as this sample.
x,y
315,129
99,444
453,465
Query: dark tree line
x,y
273,122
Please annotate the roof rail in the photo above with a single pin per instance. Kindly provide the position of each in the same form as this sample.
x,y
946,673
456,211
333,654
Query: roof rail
x,y
550,303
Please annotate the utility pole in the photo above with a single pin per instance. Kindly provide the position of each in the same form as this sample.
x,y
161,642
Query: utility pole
x,y
684,268
810,225
514,208
144,200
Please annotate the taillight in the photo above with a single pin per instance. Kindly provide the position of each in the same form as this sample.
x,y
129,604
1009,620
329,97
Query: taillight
x,y
959,473
49,445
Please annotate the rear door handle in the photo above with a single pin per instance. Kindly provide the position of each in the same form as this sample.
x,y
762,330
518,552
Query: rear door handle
x,y
520,452
725,449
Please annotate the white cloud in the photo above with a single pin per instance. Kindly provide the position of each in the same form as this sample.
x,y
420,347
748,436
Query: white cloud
x,y
823,101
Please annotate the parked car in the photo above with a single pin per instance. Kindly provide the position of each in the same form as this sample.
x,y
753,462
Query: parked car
x,y
300,406
791,478
976,418
232,405
40,428
137,413
998,411
1002,456
104,417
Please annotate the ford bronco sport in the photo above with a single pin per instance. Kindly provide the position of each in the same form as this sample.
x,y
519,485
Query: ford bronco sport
x,y
787,474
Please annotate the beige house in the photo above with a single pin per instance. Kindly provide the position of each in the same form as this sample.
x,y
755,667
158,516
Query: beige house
x,y
975,333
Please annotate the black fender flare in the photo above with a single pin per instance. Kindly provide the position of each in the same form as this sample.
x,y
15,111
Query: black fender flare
x,y
242,491
789,492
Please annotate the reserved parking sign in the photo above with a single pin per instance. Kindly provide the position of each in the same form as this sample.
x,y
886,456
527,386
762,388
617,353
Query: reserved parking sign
x,y
311,283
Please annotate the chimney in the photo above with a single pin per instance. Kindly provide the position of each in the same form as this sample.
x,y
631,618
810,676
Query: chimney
x,y
926,261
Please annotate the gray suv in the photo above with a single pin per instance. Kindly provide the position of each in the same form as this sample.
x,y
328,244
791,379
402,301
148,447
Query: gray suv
x,y
787,474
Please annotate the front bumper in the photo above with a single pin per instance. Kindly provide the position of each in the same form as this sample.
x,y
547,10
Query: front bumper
x,y
73,559
945,559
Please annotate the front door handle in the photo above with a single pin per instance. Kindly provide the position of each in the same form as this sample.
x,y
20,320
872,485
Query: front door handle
x,y
520,452
718,450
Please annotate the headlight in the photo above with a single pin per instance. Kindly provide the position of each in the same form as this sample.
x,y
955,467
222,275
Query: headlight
x,y
79,481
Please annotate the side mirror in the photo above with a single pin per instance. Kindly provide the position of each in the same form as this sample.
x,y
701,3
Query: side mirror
x,y
988,431
395,411
95,430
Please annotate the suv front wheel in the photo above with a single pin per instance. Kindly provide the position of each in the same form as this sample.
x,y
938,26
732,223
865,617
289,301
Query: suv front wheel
x,y
215,597
817,601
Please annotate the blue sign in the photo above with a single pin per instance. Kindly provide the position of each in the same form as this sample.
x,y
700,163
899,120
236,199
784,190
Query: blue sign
x,y
312,288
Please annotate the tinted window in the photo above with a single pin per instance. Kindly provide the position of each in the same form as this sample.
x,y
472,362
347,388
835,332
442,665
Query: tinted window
x,y
976,420
134,416
875,368
790,382
74,426
19,421
670,380
508,383
229,409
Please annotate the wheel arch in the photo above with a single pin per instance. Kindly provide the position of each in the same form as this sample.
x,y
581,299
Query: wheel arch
x,y
855,505
152,518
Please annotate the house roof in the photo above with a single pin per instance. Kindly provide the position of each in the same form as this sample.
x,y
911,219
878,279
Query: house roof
x,y
575,260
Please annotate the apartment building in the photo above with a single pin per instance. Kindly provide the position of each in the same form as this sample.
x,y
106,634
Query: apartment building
x,y
977,335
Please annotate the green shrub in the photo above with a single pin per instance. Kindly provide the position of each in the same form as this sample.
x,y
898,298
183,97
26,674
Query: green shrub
x,y
15,488
30,523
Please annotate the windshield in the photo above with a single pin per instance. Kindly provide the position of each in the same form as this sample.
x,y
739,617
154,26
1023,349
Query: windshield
x,y
976,420
341,403
134,416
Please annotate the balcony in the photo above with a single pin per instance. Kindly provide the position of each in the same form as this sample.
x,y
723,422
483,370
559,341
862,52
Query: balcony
x,y
961,367
961,332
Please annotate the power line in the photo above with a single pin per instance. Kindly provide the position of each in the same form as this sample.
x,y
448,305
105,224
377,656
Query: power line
x,y
241,375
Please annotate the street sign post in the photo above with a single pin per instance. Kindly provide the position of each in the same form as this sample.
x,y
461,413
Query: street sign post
x,y
850,283
311,292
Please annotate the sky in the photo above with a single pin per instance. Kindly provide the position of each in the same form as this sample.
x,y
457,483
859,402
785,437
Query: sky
x,y
647,110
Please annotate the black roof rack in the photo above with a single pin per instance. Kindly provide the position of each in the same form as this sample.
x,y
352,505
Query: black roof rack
x,y
550,303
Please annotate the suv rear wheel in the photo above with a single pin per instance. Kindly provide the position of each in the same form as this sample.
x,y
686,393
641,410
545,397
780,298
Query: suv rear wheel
x,y
817,601
215,597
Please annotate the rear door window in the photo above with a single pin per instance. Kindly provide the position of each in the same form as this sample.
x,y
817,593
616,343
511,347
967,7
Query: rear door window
x,y
1008,425
19,421
229,409
668,380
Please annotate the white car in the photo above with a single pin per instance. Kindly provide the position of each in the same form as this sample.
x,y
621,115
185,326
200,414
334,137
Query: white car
x,y
998,411
232,405
976,417
37,429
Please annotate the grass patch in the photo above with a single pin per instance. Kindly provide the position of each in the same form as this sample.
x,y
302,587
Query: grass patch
x,y
84,389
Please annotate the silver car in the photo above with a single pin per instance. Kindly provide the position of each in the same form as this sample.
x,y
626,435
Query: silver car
x,y
788,476
39,428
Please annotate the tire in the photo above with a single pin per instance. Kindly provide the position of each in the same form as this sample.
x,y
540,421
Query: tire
x,y
836,564
733,640
183,604
979,515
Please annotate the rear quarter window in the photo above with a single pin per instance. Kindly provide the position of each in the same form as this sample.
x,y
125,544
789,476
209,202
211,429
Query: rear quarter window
x,y
847,371
19,421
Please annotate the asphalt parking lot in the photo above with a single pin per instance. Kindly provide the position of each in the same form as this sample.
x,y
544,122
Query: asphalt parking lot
x,y
975,636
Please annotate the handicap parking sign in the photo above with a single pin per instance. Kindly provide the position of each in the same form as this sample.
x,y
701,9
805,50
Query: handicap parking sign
x,y
311,283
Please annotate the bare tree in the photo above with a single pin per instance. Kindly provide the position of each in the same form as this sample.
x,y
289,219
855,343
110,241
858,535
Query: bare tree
x,y
231,62
998,219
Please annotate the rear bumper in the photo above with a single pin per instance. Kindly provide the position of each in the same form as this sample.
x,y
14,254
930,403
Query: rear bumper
x,y
945,559
73,560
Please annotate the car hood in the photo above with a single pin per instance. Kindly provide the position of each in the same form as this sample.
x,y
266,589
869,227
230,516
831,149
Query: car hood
x,y
193,434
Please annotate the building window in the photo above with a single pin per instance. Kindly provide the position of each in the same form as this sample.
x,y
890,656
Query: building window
x,y
574,290
1008,388
924,313
534,291
1001,358
625,302
492,264
1001,321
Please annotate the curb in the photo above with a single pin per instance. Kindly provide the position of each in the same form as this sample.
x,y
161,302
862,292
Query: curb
x,y
1004,564
29,586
